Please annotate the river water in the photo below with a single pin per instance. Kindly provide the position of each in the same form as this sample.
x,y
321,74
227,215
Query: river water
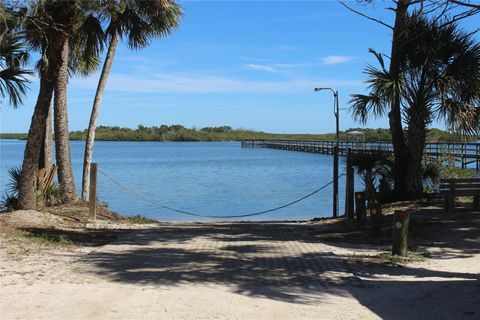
x,y
216,178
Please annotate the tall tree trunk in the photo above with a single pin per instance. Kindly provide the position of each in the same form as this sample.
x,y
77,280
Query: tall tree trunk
x,y
63,13
102,82
46,152
417,116
28,179
416,144
395,117
62,139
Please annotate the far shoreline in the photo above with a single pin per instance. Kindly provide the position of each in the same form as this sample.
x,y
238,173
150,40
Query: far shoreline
x,y
179,133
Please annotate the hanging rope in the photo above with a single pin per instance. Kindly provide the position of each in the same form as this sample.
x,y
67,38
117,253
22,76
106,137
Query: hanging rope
x,y
195,214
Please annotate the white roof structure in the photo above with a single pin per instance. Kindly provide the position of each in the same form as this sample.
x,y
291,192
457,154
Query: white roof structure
x,y
355,133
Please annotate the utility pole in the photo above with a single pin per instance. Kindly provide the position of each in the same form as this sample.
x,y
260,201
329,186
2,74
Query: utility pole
x,y
336,110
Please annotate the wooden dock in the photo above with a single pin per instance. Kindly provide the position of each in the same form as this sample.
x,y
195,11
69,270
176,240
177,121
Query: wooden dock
x,y
462,154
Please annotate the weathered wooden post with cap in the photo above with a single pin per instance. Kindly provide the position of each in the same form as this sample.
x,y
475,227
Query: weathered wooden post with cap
x,y
401,221
92,200
361,207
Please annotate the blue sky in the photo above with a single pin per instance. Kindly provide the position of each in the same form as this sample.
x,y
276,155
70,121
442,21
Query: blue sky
x,y
247,64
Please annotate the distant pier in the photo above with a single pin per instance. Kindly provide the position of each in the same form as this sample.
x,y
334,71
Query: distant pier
x,y
462,154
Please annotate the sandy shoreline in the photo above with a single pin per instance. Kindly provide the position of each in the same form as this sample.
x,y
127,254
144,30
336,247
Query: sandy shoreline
x,y
269,270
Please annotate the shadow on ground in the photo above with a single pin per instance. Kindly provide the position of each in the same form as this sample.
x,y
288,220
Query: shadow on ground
x,y
290,262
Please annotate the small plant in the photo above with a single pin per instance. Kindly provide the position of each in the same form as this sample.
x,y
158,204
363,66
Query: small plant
x,y
49,240
44,199
10,199
52,196
13,185
376,169
451,172
138,219
8,203
432,172
373,166
102,204
412,256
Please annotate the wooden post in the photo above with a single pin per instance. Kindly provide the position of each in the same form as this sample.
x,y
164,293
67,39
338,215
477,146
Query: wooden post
x,y
361,207
350,188
401,221
92,201
376,219
451,197
335,182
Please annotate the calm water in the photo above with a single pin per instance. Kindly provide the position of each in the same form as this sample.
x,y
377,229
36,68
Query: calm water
x,y
208,177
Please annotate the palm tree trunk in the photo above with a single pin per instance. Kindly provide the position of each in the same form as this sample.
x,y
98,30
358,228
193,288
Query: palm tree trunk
x,y
28,179
63,13
46,152
417,136
416,144
395,118
102,82
62,140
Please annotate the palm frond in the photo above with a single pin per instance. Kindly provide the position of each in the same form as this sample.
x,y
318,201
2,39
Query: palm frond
x,y
13,185
379,58
13,84
364,105
431,173
89,36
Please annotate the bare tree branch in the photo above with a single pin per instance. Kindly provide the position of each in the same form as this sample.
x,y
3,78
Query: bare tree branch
x,y
465,3
463,15
365,16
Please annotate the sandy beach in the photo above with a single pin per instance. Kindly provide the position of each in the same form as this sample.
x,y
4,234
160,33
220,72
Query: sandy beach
x,y
270,270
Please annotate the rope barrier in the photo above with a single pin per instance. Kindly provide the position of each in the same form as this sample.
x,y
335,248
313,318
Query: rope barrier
x,y
195,214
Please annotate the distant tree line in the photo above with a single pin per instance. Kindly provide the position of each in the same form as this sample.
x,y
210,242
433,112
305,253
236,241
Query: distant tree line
x,y
178,132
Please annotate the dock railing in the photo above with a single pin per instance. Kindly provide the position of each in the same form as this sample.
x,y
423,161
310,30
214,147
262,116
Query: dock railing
x,y
462,154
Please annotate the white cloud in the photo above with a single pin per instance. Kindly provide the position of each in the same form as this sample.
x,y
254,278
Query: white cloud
x,y
199,83
276,67
291,65
261,67
336,59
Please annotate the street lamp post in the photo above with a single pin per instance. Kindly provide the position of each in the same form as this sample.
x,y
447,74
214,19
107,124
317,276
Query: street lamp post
x,y
335,152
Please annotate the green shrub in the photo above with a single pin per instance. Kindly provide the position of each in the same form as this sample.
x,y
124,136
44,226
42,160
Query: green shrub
x,y
451,172
138,219
9,201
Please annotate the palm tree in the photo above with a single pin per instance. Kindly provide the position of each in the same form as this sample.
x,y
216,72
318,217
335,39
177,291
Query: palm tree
x,y
139,21
401,8
51,28
57,18
439,79
79,54
86,43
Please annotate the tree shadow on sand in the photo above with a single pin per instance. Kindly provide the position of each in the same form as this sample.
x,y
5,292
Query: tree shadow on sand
x,y
289,262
